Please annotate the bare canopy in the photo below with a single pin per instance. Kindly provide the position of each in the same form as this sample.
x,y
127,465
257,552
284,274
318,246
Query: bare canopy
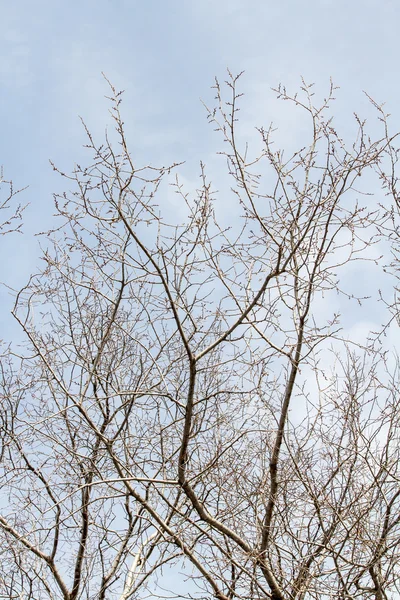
x,y
182,403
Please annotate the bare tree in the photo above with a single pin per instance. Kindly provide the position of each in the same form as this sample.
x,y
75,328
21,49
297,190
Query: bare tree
x,y
181,402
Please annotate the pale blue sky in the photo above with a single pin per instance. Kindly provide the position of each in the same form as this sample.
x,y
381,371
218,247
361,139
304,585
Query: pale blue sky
x,y
165,54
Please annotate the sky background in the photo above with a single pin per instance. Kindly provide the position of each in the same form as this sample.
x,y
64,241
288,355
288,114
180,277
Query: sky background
x,y
165,54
